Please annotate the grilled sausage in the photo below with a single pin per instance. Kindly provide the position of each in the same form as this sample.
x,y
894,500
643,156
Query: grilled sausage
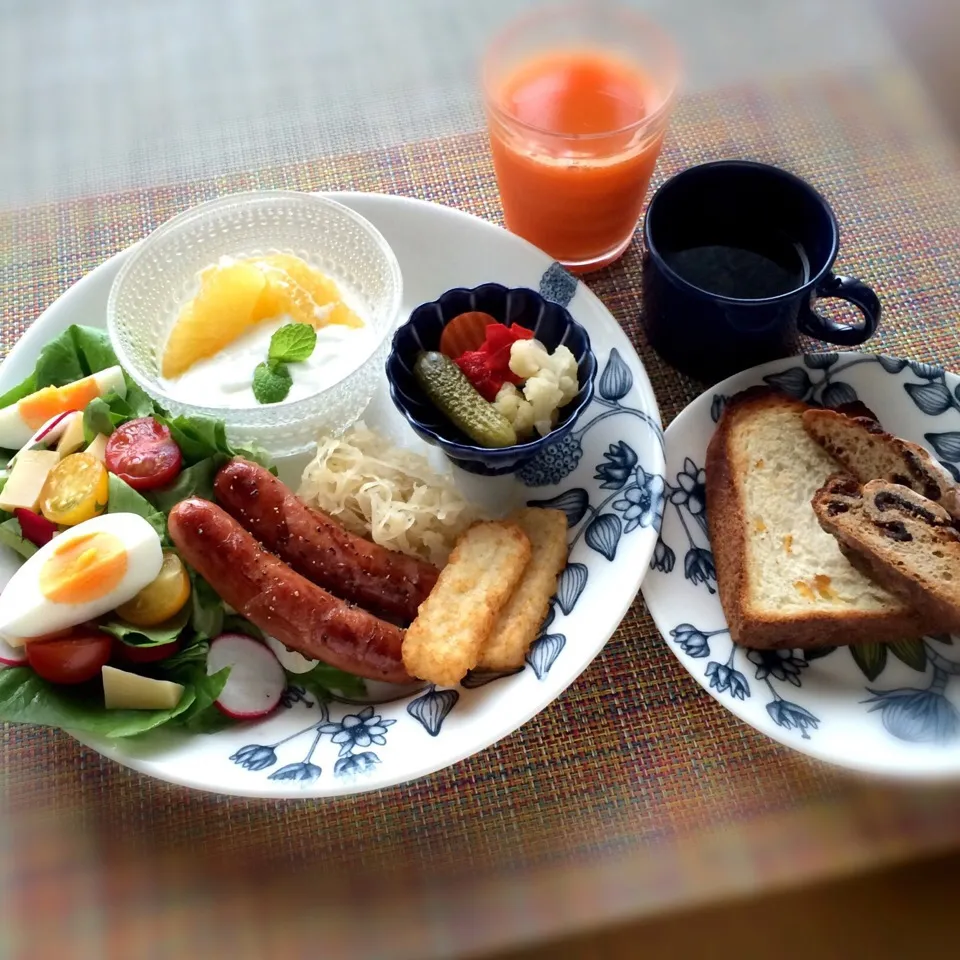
x,y
319,548
301,615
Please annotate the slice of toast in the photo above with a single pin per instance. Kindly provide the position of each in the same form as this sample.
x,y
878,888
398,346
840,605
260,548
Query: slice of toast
x,y
868,453
904,541
783,580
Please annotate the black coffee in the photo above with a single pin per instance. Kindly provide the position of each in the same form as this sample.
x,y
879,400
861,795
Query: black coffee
x,y
767,268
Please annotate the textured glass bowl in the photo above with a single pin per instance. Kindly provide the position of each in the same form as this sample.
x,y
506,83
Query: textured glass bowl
x,y
551,324
161,275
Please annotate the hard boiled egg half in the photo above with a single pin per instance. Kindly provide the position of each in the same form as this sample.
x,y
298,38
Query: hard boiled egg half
x,y
19,421
79,575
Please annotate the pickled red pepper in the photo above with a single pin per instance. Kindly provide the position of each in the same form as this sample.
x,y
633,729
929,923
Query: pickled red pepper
x,y
488,368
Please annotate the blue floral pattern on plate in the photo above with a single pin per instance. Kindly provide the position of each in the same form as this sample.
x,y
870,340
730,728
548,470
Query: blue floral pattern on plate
x,y
901,698
617,494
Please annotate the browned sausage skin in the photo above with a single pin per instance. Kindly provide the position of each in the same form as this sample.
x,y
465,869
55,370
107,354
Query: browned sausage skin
x,y
319,548
301,615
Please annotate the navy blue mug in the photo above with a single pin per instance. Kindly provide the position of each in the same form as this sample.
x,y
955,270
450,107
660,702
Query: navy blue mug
x,y
737,253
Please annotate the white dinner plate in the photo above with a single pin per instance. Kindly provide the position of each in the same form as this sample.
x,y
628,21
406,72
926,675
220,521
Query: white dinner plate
x,y
607,475
887,709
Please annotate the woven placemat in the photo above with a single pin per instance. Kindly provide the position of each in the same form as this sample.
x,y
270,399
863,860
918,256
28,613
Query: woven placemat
x,y
634,764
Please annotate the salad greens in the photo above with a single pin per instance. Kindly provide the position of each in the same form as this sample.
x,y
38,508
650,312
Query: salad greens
x,y
12,536
134,636
27,698
324,678
122,498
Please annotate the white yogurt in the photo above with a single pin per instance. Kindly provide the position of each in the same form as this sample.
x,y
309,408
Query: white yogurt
x,y
226,378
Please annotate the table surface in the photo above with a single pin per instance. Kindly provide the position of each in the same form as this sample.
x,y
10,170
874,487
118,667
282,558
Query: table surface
x,y
635,791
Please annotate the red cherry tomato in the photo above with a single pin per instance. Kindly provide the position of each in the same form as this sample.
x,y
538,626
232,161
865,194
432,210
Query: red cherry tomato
x,y
73,659
143,454
154,654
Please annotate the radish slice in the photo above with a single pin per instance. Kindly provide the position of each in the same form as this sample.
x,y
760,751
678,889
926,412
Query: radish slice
x,y
55,427
48,434
256,679
12,656
35,527
290,660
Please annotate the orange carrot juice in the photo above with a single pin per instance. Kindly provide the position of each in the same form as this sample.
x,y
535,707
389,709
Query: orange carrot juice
x,y
575,131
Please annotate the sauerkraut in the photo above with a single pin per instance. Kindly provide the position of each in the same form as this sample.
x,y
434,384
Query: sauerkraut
x,y
392,495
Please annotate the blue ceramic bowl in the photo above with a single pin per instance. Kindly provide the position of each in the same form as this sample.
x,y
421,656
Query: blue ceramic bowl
x,y
552,326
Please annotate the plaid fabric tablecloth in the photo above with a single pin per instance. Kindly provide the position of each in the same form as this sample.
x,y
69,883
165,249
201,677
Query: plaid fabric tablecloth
x,y
635,790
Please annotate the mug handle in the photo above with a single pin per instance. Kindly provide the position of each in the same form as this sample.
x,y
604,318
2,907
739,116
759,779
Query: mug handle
x,y
845,335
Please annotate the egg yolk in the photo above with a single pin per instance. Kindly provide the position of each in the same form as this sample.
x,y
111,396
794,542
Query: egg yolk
x,y
84,568
39,407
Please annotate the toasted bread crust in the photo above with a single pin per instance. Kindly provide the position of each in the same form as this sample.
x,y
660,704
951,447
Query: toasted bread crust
x,y
728,529
891,532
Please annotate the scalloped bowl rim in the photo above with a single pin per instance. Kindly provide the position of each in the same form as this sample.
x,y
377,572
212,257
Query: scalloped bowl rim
x,y
467,451
240,199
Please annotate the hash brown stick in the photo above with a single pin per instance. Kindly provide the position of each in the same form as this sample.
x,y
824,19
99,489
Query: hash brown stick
x,y
445,640
519,621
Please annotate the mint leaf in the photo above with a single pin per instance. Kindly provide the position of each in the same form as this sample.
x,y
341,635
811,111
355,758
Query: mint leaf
x,y
271,381
291,343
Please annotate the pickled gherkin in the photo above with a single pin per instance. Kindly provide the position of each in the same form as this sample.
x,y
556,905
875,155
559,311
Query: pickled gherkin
x,y
458,400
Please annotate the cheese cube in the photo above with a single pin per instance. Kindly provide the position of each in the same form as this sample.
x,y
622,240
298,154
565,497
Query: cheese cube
x,y
98,447
130,691
72,439
26,480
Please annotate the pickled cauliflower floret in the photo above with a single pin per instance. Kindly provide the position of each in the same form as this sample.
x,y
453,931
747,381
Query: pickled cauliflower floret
x,y
550,382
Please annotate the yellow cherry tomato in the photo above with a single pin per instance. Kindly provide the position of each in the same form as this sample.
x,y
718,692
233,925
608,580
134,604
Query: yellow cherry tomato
x,y
76,490
160,599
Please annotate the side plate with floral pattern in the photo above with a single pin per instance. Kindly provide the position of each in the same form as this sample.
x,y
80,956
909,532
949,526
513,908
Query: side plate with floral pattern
x,y
890,709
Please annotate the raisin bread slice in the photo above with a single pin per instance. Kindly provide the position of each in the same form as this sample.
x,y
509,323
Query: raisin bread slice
x,y
868,453
906,542
782,580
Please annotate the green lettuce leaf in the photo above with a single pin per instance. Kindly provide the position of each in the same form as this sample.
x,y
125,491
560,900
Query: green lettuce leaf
x,y
182,666
124,499
257,454
195,481
21,390
234,623
12,536
322,679
203,716
99,418
198,437
75,354
189,667
206,608
165,632
26,698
